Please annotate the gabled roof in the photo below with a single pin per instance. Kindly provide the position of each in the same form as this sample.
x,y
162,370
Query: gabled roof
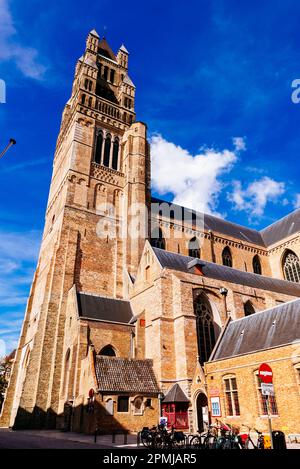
x,y
105,50
175,394
103,308
125,375
179,262
267,329
279,230
218,225
282,228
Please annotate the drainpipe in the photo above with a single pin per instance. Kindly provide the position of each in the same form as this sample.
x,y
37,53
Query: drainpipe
x,y
212,249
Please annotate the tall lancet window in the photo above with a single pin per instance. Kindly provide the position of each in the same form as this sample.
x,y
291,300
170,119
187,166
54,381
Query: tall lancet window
x,y
205,327
115,154
107,150
227,257
291,267
99,145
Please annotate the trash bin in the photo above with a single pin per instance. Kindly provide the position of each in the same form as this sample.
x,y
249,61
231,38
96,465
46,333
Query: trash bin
x,y
278,440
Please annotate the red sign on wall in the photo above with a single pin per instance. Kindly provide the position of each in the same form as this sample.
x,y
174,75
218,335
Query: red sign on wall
x,y
265,373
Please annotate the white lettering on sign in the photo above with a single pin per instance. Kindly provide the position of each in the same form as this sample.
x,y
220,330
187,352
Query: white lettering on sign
x,y
266,373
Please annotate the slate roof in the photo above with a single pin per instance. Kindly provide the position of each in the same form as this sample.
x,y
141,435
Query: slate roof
x,y
175,394
273,327
103,308
264,238
179,262
282,228
218,225
125,375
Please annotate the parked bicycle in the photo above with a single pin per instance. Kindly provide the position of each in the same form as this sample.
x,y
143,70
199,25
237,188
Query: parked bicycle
x,y
247,441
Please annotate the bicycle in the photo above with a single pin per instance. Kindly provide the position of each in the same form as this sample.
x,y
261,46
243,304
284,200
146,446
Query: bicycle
x,y
249,442
206,440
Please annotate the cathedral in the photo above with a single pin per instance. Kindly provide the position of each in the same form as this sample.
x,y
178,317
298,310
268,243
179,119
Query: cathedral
x,y
139,307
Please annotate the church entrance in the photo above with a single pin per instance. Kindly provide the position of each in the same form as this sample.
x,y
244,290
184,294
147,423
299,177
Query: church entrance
x,y
202,411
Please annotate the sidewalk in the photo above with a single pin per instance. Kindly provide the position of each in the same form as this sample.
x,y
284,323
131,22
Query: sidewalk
x,y
102,440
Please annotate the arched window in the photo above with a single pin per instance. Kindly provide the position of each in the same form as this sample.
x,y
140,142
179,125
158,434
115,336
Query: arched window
x,y
194,249
227,257
108,351
90,101
291,267
138,406
99,145
157,241
256,265
248,308
205,327
115,153
83,99
107,150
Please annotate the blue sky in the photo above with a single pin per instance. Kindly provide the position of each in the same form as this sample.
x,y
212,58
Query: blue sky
x,y
206,72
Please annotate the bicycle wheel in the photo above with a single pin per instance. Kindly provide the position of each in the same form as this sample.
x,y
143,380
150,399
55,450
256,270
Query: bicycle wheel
x,y
195,442
159,442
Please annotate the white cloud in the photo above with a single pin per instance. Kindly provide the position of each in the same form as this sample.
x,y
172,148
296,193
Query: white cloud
x,y
239,143
297,201
193,180
255,197
25,58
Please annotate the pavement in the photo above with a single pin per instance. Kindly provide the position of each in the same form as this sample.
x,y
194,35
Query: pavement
x,y
35,439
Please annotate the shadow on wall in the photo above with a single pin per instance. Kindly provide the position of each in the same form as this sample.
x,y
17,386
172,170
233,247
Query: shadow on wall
x,y
81,418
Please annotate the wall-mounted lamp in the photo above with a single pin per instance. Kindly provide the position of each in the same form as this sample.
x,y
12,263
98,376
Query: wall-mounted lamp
x,y
224,293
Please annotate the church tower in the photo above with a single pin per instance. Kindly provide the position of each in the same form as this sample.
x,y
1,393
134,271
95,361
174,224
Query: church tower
x,y
101,170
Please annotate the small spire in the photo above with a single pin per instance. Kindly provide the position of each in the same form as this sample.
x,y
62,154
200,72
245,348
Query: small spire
x,y
123,49
94,33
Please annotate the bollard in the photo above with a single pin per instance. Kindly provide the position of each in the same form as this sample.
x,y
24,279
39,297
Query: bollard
x,y
113,437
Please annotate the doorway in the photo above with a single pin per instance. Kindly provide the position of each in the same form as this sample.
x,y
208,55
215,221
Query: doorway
x,y
202,412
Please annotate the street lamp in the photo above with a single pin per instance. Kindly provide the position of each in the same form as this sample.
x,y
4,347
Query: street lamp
x,y
12,141
224,293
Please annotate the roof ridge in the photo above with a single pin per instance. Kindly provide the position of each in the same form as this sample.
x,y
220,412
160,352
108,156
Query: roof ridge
x,y
267,310
280,219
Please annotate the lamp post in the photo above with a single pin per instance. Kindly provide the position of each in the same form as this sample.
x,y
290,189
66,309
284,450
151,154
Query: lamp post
x,y
224,293
12,141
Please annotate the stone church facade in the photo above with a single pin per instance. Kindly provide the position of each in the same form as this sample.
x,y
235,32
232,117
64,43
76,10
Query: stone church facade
x,y
131,294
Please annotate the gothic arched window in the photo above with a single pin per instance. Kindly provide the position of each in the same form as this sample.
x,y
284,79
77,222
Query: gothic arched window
x,y
227,257
157,241
194,248
248,308
108,351
205,327
291,267
107,150
256,265
115,154
99,145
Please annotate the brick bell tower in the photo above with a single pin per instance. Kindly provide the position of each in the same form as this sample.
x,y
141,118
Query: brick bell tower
x,y
101,168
